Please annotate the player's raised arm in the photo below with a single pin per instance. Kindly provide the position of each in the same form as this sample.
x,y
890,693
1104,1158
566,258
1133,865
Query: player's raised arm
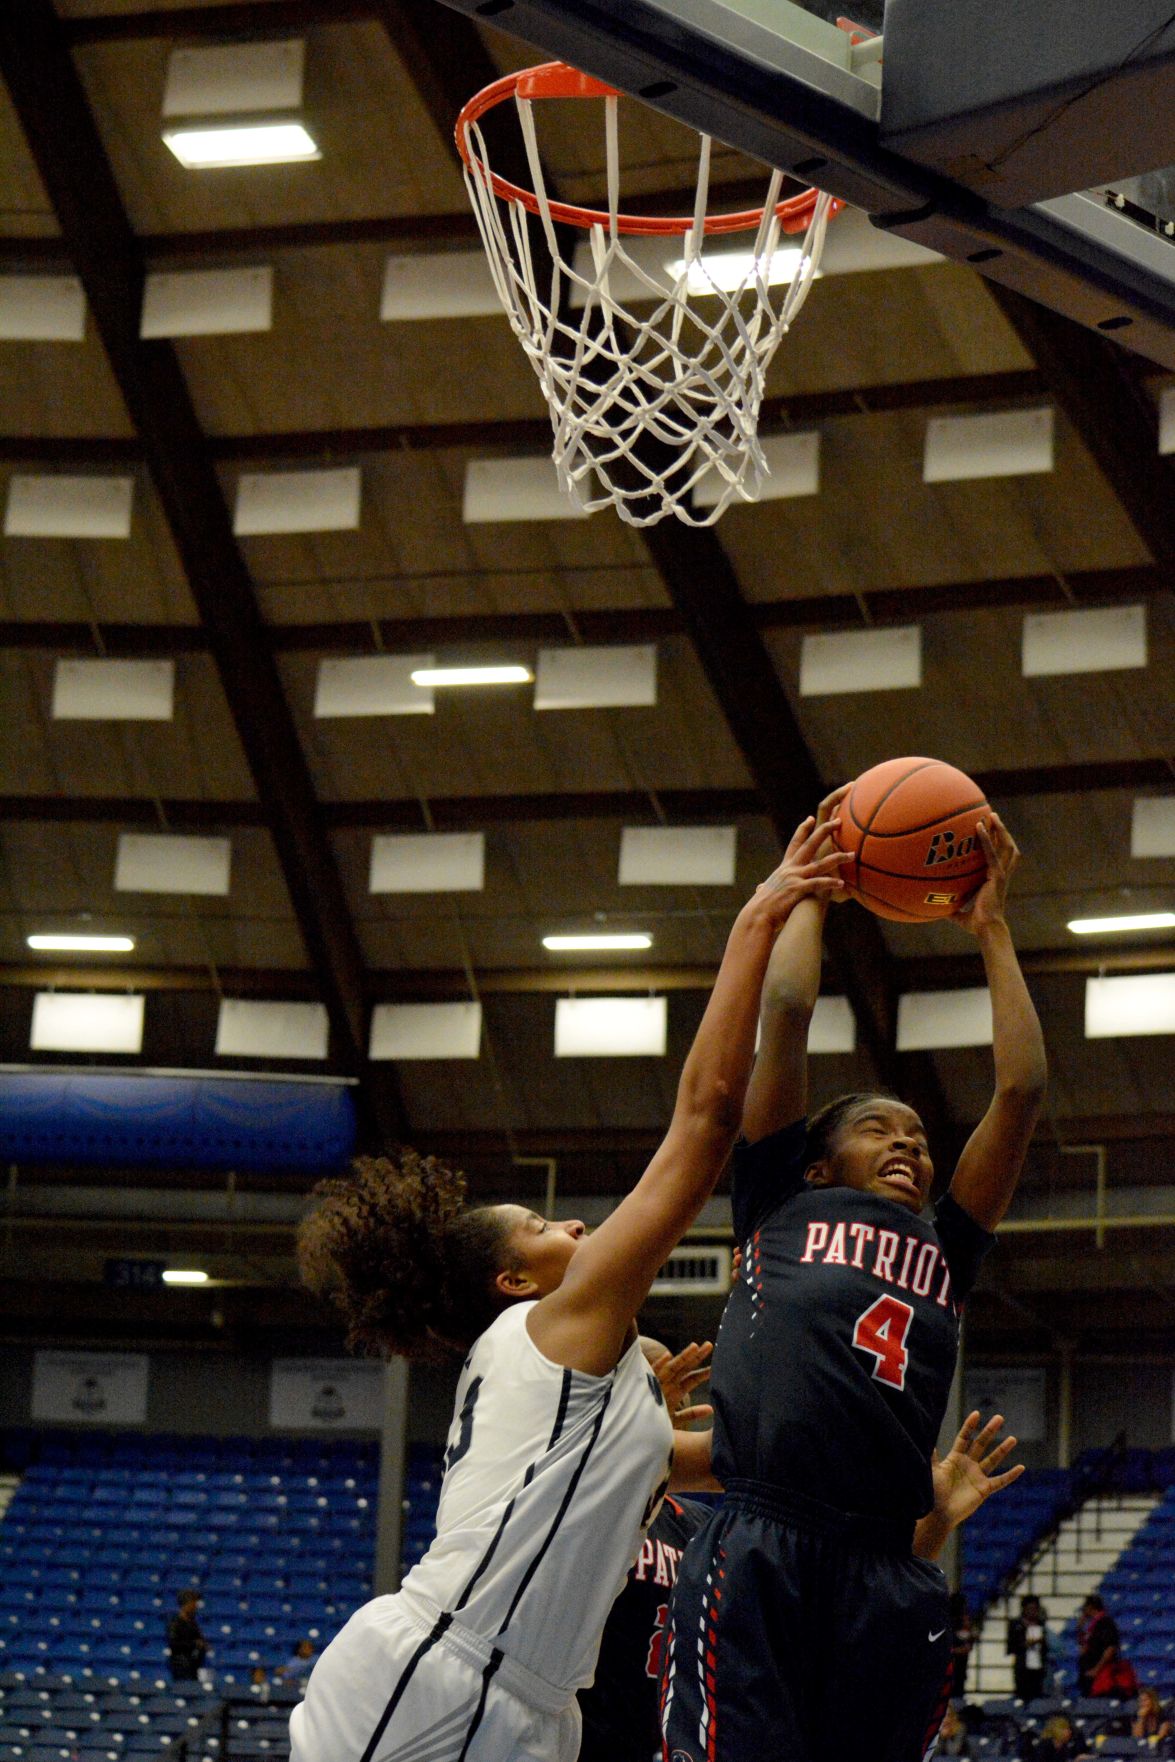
x,y
583,1324
777,1093
990,1165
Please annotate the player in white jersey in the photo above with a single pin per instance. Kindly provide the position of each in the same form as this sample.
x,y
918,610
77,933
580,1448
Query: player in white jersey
x,y
561,1448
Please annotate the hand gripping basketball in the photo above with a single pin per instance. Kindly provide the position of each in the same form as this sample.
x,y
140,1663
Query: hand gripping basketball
x,y
910,826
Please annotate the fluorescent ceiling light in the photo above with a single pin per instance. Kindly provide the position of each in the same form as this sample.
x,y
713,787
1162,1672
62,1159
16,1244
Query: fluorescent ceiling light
x,y
81,944
42,309
425,1031
372,685
203,148
1098,641
1139,921
472,676
677,856
564,943
515,489
932,1020
719,271
861,660
610,1027
428,862
113,691
297,501
248,1029
1141,1003
595,678
833,1027
207,302
1152,826
73,1021
183,1275
150,862
1167,419
1012,443
793,461
234,79
442,284
68,507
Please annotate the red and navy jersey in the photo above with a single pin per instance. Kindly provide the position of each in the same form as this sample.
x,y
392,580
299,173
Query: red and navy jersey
x,y
621,1718
836,1352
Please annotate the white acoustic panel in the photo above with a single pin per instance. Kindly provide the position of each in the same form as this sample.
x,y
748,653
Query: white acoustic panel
x,y
677,856
610,1027
1012,443
428,862
1098,641
425,1030
248,1029
113,691
861,660
833,1027
42,309
373,685
68,507
442,284
161,862
794,464
207,302
595,678
234,79
1152,826
1167,419
1137,1003
930,1020
297,501
75,1021
515,489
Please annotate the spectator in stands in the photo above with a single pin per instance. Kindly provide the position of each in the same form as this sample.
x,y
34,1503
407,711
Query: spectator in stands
x,y
952,1736
1060,1741
186,1646
962,1643
1151,1720
259,1682
299,1664
1028,1647
1098,1646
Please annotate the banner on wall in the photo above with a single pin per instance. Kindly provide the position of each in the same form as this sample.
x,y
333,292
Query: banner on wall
x,y
1016,1393
326,1395
91,1388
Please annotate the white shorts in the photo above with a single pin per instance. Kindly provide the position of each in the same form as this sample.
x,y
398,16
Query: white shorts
x,y
391,1688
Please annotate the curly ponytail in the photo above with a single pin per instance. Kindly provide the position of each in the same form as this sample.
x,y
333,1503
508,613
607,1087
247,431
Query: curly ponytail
x,y
407,1263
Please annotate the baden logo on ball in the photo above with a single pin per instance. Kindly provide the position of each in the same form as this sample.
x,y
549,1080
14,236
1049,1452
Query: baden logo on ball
x,y
910,826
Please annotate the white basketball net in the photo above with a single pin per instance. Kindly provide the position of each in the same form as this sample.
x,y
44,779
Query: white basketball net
x,y
654,374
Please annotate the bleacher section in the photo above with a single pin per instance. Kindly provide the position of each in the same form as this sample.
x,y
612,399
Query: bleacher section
x,y
1003,1531
104,1531
1140,1593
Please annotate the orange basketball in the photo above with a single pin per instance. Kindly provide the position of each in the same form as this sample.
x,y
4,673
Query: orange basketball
x,y
910,826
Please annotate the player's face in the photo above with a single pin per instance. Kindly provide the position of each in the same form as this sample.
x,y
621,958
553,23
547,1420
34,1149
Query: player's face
x,y
543,1249
880,1147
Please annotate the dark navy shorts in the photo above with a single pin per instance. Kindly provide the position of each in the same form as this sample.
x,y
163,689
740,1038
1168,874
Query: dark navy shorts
x,y
797,1634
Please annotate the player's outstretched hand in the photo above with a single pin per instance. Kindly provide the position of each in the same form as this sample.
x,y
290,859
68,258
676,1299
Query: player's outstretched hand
x,y
968,1475
679,1374
987,906
804,871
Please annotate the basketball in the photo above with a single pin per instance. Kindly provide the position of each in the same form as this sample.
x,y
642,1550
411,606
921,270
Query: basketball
x,y
910,826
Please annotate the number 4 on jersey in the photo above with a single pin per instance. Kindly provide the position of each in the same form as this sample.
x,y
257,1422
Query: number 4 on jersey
x,y
881,1331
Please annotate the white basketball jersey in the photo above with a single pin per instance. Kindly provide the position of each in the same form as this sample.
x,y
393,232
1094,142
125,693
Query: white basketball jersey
x,y
551,1478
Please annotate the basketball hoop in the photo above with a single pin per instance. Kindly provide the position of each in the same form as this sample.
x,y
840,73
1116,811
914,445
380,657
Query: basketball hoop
x,y
653,365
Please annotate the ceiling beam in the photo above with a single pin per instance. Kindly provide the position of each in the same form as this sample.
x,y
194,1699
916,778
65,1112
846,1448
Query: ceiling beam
x,y
458,813
615,624
63,138
1096,386
777,415
240,19
438,985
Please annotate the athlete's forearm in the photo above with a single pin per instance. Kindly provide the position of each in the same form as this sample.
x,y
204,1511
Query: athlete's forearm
x,y
930,1534
792,982
1021,1068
